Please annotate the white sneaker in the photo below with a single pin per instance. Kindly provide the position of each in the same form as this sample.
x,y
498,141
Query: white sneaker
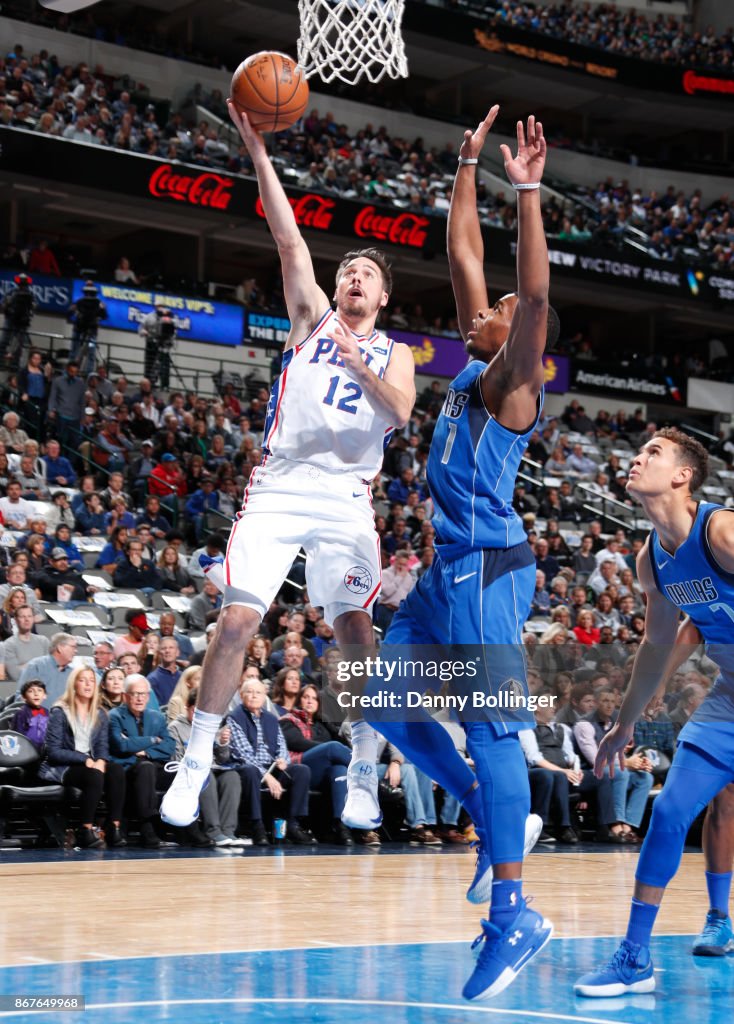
x,y
480,890
533,828
362,808
180,805
239,841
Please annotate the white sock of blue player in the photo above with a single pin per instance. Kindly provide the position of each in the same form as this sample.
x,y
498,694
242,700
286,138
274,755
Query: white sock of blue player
x,y
364,742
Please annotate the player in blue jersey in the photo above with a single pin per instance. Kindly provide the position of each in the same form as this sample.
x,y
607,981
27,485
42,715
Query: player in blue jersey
x,y
686,567
479,589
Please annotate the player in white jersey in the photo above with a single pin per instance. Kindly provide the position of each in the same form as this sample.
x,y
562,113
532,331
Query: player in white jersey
x,y
342,389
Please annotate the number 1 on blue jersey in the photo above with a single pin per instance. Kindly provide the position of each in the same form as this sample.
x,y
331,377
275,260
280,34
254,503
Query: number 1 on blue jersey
x,y
449,443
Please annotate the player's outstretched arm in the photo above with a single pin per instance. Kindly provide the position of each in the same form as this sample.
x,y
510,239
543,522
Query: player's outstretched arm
x,y
653,663
305,300
464,234
523,352
392,397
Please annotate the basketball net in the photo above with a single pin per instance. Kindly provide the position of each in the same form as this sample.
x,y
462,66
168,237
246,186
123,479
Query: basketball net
x,y
348,39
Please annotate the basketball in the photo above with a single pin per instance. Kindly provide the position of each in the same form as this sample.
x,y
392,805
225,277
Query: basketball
x,y
271,89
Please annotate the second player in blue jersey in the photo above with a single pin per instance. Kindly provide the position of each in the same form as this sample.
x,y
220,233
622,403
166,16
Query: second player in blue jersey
x,y
686,568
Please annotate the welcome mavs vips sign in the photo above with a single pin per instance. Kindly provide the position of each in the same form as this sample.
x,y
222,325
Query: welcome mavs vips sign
x,y
212,192
196,319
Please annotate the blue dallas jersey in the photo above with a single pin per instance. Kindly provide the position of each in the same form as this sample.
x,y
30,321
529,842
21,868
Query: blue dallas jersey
x,y
692,580
471,471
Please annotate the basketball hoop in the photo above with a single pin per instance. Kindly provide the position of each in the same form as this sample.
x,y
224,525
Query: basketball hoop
x,y
348,39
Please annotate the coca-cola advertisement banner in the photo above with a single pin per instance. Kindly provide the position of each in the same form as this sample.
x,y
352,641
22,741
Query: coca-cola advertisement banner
x,y
206,191
345,217
196,319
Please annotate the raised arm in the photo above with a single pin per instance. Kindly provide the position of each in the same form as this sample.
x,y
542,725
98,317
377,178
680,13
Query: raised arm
x,y
521,357
305,300
464,235
653,663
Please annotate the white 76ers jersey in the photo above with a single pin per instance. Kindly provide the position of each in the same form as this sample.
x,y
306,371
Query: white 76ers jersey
x,y
317,414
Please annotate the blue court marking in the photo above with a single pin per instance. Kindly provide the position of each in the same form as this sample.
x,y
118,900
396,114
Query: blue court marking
x,y
399,984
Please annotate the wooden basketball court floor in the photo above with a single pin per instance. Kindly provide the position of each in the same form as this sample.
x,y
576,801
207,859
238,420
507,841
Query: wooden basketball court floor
x,y
313,936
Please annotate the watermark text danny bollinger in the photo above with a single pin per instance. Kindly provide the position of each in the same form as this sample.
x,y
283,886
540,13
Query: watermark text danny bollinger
x,y
381,670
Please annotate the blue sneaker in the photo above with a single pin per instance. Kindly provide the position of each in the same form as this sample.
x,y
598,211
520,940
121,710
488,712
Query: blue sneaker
x,y
480,891
629,970
504,954
717,938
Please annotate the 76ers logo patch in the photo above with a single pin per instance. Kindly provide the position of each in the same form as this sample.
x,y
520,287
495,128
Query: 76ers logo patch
x,y
358,580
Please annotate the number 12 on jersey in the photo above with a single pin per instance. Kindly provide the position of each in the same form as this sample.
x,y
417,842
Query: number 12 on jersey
x,y
351,394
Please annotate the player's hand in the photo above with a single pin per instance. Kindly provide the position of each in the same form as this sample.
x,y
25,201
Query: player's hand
x,y
249,135
611,750
473,141
348,350
526,167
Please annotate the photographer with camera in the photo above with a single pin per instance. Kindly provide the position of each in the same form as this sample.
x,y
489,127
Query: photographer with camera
x,y
85,314
159,330
19,307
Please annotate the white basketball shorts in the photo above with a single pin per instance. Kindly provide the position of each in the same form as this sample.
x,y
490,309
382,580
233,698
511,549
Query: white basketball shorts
x,y
292,505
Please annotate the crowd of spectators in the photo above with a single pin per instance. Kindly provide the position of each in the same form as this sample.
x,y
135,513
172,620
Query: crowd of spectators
x,y
139,29
662,38
668,226
140,484
175,469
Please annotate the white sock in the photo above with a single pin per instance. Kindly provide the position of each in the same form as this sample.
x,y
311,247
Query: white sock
x,y
204,728
215,574
364,742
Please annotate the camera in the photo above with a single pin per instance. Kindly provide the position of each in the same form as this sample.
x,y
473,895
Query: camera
x,y
166,330
19,304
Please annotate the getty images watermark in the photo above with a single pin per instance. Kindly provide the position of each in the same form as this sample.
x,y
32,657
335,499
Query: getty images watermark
x,y
389,686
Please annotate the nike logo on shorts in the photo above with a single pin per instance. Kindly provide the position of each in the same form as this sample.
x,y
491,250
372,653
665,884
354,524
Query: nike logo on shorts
x,y
460,579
